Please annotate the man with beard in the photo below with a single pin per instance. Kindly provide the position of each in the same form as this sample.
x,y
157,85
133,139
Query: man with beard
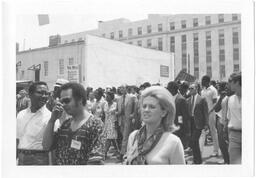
x,y
31,124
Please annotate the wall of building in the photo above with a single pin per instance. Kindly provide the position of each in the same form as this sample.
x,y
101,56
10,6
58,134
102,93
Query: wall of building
x,y
110,62
52,55
123,25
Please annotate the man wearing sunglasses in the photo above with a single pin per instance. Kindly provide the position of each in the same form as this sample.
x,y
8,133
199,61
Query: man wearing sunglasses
x,y
79,139
31,124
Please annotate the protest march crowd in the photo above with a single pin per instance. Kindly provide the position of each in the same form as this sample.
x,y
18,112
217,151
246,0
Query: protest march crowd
x,y
149,124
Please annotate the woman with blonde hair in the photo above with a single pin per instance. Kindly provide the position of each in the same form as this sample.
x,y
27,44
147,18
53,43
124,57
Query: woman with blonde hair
x,y
154,143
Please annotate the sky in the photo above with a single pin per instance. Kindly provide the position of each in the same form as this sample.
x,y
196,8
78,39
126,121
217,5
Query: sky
x,y
76,16
30,35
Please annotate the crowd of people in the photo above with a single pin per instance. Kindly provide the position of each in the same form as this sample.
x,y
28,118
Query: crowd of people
x,y
149,124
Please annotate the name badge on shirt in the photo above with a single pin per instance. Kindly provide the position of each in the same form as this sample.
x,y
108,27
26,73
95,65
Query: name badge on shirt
x,y
75,144
180,120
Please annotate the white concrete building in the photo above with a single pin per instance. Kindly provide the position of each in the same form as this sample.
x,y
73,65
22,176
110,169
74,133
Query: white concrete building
x,y
202,43
96,62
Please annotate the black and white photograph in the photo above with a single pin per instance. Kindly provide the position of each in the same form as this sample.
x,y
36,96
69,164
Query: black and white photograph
x,y
128,88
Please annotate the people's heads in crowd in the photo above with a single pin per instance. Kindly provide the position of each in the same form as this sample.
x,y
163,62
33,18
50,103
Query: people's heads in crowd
x,y
146,85
173,87
22,93
57,85
91,95
38,94
183,88
235,82
157,107
110,96
205,81
73,97
193,89
213,83
123,90
108,88
98,93
114,90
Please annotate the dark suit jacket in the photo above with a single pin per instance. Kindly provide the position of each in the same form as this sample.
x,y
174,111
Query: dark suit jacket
x,y
182,110
200,111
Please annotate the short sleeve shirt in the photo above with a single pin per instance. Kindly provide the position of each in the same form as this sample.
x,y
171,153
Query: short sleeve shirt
x,y
31,127
89,137
234,114
209,94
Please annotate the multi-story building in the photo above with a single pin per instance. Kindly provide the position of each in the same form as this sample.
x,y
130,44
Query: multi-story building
x,y
203,44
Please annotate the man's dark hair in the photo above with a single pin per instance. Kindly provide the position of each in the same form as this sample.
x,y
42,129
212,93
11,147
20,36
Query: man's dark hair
x,y
32,87
236,77
146,84
78,91
213,83
111,94
173,86
222,86
206,79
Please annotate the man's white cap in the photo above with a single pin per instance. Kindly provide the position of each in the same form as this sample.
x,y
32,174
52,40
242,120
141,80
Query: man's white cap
x,y
60,82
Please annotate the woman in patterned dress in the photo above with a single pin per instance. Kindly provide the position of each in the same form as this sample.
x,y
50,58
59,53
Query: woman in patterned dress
x,y
110,131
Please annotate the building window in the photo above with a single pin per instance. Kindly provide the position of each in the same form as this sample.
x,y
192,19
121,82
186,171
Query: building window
x,y
196,51
195,22
222,55
66,41
112,35
208,20
184,52
222,71
120,34
172,26
160,44
208,57
209,71
183,42
160,27
234,17
139,30
172,44
61,66
236,67
235,36
221,38
221,18
71,61
149,43
45,68
130,42
104,35
208,39
183,24
130,32
196,72
236,54
139,43
149,28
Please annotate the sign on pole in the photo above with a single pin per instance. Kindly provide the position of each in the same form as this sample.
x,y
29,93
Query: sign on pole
x,y
73,73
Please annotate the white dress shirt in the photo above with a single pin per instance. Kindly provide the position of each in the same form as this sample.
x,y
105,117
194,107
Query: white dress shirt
x,y
234,114
31,127
209,94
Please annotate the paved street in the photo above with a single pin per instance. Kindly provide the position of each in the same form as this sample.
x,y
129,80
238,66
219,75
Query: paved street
x,y
207,159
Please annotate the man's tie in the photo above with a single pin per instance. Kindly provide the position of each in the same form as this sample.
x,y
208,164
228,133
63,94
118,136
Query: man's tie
x,y
192,105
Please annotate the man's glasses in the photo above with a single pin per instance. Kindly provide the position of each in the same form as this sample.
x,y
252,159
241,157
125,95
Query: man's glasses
x,y
42,93
65,100
190,88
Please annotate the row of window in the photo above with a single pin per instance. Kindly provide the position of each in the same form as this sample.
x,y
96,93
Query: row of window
x,y
172,26
61,66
